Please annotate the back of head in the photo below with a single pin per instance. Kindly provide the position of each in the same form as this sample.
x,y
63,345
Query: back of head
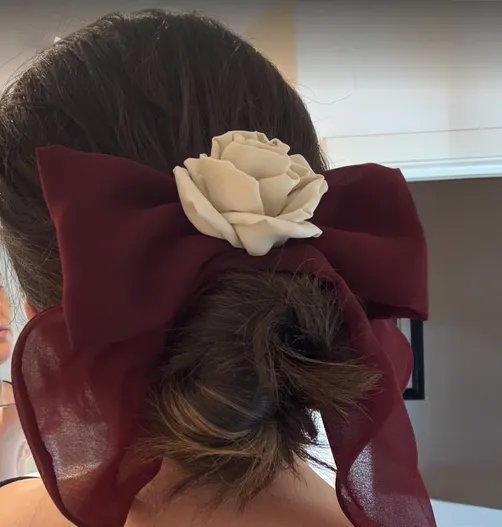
x,y
259,353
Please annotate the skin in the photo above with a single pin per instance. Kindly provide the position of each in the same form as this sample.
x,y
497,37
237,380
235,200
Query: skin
x,y
6,344
288,502
5,326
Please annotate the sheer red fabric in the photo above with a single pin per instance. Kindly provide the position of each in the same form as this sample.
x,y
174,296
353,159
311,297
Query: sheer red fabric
x,y
132,263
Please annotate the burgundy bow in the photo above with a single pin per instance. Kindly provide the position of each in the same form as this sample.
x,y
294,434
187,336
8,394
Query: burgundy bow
x,y
132,263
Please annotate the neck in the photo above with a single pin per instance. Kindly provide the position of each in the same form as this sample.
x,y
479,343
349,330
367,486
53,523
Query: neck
x,y
304,492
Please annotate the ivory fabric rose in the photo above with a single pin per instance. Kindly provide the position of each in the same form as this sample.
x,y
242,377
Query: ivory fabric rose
x,y
250,192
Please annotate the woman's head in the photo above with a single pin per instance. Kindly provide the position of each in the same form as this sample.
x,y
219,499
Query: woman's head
x,y
258,353
154,87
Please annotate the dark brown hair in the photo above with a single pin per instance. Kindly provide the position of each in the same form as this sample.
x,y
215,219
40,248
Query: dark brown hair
x,y
261,353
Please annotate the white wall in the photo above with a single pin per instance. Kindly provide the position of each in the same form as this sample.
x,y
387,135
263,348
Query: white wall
x,y
16,299
5,371
393,67
459,425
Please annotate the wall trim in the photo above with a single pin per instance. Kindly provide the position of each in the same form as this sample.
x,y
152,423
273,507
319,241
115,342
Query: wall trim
x,y
441,169
425,156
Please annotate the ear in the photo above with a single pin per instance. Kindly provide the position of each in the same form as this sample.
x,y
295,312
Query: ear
x,y
29,311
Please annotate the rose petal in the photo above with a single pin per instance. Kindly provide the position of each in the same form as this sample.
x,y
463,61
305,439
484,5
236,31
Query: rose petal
x,y
195,175
203,216
259,234
251,192
298,159
274,193
258,139
261,142
258,163
305,198
226,187
300,166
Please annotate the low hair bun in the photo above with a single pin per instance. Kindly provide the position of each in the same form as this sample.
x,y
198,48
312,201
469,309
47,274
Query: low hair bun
x,y
259,356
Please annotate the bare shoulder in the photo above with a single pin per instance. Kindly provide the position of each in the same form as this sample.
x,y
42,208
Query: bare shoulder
x,y
26,503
